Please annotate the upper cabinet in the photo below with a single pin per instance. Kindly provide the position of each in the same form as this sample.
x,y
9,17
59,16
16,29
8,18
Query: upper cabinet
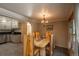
x,y
8,23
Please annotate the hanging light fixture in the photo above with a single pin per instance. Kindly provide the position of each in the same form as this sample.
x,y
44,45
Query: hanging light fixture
x,y
44,19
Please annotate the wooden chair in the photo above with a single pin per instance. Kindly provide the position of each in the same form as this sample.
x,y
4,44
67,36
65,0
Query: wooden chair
x,y
36,50
50,46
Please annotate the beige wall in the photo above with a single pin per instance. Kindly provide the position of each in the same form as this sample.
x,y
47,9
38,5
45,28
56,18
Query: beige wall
x,y
34,26
60,30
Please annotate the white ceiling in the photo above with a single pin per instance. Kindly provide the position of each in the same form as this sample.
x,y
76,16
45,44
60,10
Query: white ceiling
x,y
4,12
54,12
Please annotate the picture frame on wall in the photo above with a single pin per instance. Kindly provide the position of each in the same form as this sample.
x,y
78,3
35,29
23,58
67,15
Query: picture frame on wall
x,y
49,27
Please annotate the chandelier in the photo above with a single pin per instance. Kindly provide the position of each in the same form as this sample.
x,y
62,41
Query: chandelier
x,y
44,19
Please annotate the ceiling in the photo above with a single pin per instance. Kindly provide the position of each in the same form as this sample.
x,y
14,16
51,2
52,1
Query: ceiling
x,y
54,12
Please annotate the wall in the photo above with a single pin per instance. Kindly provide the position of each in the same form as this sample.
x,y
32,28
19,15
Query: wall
x,y
60,31
76,17
34,26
